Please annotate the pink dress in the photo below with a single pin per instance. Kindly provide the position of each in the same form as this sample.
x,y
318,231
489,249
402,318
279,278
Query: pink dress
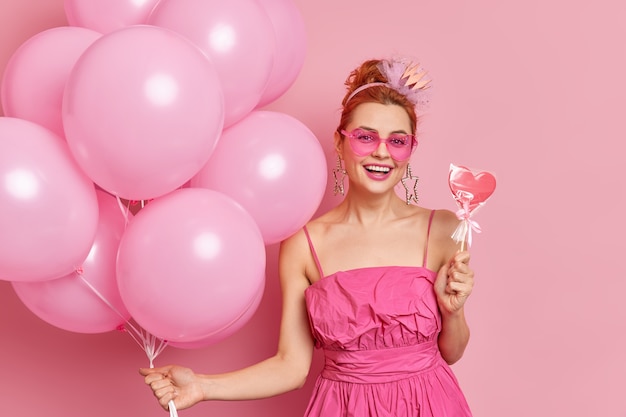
x,y
378,327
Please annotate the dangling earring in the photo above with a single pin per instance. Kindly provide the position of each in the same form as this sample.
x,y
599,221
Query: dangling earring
x,y
409,182
339,173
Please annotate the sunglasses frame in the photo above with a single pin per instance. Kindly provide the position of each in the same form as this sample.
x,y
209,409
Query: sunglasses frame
x,y
361,148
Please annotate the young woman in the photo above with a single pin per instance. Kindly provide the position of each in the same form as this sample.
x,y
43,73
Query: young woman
x,y
376,282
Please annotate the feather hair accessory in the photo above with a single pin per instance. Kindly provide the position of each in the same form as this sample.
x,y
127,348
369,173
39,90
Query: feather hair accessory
x,y
406,77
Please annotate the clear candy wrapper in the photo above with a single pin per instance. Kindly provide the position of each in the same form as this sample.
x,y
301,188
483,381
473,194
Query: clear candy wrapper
x,y
470,190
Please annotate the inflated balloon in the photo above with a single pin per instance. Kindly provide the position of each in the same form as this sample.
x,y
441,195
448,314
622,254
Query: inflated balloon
x,y
48,207
291,45
471,190
142,110
229,330
190,264
86,300
35,76
238,37
106,16
274,166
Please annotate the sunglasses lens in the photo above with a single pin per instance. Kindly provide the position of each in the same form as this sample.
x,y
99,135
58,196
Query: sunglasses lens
x,y
364,142
400,147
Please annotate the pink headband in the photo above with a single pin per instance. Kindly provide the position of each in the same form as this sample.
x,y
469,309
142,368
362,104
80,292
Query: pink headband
x,y
406,77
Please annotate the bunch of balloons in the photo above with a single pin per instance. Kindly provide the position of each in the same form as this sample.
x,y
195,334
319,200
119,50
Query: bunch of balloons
x,y
158,101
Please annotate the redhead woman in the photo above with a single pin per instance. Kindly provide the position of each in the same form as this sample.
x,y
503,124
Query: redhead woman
x,y
377,282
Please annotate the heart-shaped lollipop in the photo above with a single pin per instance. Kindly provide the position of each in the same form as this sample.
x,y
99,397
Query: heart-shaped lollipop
x,y
480,185
470,190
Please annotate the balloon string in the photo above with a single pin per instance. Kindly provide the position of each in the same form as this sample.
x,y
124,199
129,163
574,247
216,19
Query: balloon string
x,y
170,405
151,345
172,408
79,272
124,209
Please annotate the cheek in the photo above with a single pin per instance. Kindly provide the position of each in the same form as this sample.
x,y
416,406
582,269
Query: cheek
x,y
350,161
401,169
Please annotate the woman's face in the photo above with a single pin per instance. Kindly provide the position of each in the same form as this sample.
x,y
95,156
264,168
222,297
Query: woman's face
x,y
377,172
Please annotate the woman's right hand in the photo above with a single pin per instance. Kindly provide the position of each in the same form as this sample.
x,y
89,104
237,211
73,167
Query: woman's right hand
x,y
173,383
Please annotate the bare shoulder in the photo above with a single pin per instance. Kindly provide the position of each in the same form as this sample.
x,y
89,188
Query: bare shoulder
x,y
294,248
318,226
295,258
445,221
443,247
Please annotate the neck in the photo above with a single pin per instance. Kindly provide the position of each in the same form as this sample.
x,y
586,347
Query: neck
x,y
371,210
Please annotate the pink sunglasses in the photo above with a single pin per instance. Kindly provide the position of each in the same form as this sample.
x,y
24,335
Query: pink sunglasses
x,y
364,142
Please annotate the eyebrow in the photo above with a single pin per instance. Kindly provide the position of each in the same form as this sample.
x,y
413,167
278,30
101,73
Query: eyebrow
x,y
371,129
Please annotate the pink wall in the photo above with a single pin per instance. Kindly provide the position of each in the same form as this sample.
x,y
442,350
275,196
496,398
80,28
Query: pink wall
x,y
533,91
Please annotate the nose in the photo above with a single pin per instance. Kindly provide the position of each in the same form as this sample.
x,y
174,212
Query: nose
x,y
381,150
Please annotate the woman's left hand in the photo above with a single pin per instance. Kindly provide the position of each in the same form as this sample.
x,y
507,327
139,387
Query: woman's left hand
x,y
454,283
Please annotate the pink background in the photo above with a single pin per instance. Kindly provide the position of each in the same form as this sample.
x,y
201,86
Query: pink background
x,y
532,91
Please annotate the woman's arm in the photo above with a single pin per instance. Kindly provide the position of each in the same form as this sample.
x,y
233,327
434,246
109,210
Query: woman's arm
x,y
453,286
286,370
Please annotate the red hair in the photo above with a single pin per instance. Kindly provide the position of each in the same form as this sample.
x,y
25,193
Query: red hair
x,y
368,73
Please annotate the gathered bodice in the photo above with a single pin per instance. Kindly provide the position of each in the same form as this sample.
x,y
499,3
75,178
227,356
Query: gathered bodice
x,y
373,308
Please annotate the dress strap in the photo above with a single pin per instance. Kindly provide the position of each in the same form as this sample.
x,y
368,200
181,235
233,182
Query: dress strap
x,y
315,258
430,220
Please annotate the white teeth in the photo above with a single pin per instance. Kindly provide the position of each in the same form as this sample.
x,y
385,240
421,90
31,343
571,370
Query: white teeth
x,y
377,168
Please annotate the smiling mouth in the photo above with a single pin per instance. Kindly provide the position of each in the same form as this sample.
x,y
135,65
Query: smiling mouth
x,y
377,169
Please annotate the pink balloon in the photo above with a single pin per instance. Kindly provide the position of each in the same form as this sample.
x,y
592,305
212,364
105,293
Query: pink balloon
x,y
190,264
70,303
35,76
48,207
291,47
107,16
228,330
238,37
272,165
142,110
